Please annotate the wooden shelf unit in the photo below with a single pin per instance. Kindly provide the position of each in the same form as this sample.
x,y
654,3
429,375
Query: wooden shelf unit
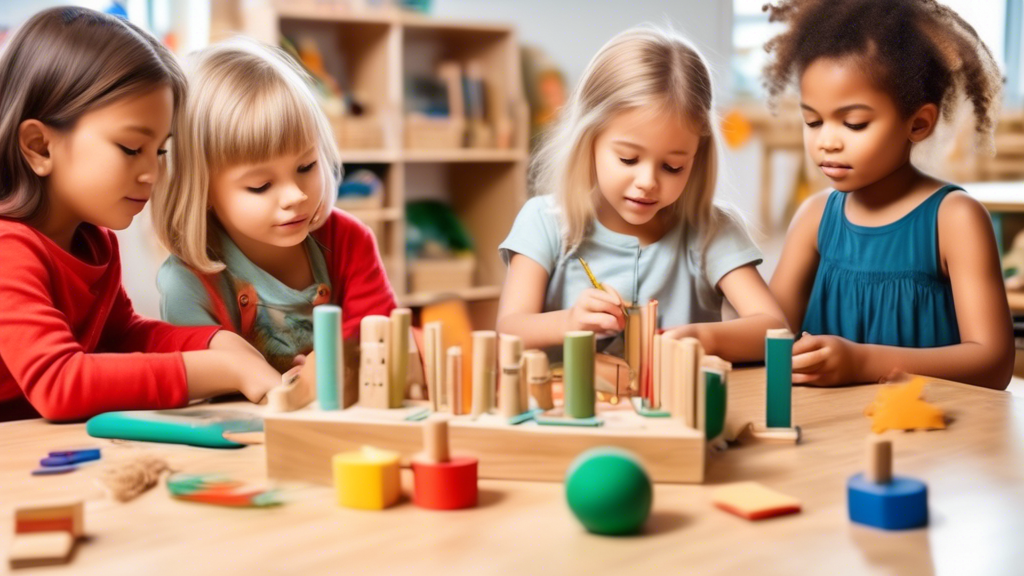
x,y
486,187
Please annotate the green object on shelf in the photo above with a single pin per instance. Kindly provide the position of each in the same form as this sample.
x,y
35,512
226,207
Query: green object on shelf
x,y
715,398
432,226
779,367
609,491
578,376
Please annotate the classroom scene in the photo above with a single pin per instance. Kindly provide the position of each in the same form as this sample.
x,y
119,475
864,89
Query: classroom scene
x,y
494,286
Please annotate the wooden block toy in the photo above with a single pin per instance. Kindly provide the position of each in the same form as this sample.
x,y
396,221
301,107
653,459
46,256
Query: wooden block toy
x,y
754,501
667,371
330,357
484,370
433,360
779,368
40,549
400,323
612,375
609,491
367,479
373,376
442,482
655,402
578,352
634,351
879,499
538,378
688,353
66,516
752,434
900,407
511,352
458,331
454,384
297,389
510,401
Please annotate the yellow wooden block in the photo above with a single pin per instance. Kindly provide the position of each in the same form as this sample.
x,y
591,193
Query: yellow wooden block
x,y
900,407
367,479
753,501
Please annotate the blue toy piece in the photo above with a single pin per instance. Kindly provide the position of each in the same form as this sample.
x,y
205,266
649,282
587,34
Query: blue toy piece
x,y
897,505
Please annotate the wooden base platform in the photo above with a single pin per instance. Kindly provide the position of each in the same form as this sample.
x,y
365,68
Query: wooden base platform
x,y
300,444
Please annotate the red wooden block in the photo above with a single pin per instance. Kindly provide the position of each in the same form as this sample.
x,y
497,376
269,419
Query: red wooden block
x,y
447,485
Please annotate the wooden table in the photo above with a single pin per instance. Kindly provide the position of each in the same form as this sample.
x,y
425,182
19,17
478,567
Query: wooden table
x,y
974,471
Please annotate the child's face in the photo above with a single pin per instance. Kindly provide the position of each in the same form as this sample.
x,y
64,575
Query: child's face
x,y
852,130
272,202
104,168
643,161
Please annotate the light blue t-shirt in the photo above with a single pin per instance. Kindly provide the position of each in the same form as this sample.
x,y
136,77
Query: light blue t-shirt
x,y
669,270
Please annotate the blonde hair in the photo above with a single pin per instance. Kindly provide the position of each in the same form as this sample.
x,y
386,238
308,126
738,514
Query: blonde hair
x,y
247,103
644,67
59,65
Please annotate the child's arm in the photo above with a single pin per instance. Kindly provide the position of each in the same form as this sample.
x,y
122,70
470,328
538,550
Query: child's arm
x,y
522,299
793,279
742,339
64,382
985,355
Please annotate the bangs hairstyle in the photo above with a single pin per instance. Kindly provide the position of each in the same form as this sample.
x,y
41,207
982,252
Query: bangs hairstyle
x,y
641,68
250,104
59,65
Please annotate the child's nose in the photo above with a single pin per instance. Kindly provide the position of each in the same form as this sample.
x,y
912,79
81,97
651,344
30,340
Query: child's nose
x,y
646,179
292,196
829,140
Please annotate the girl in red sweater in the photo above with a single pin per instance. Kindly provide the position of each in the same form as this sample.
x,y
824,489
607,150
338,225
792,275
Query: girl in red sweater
x,y
248,209
86,106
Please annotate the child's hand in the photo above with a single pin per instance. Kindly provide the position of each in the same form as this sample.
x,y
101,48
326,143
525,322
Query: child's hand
x,y
598,311
249,372
823,360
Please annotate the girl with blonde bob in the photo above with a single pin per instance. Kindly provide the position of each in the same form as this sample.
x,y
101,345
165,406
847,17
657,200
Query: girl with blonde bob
x,y
248,209
625,180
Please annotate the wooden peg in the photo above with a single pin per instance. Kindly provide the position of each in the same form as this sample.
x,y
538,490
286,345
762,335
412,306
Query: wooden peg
x,y
435,441
454,383
879,460
484,367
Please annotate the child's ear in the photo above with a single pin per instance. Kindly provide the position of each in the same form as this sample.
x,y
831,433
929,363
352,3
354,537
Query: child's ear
x,y
922,124
34,140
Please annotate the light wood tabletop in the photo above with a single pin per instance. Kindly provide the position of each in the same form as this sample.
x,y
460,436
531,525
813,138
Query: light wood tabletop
x,y
974,471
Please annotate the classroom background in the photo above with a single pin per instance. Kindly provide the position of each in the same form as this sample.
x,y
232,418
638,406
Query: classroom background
x,y
436,105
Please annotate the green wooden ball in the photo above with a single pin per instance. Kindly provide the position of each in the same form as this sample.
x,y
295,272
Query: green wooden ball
x,y
609,491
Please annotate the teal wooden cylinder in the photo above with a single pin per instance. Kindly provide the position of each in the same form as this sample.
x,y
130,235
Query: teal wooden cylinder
x,y
779,369
327,345
578,360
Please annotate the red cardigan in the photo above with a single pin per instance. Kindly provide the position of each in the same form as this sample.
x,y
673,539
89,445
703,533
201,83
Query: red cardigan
x,y
69,338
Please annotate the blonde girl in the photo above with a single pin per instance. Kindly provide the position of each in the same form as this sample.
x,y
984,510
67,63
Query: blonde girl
x,y
248,210
626,181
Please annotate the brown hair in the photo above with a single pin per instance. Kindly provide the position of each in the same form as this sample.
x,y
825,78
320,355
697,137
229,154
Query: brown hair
x,y
918,51
60,64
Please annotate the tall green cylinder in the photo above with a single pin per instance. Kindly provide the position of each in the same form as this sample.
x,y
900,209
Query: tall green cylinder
x,y
330,373
778,357
578,359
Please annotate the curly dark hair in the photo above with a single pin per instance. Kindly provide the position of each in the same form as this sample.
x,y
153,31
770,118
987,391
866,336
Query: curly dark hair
x,y
918,51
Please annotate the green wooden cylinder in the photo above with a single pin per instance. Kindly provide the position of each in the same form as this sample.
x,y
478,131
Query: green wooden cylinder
x,y
330,373
578,360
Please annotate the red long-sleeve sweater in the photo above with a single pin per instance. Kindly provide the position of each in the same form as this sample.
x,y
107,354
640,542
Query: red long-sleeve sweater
x,y
70,341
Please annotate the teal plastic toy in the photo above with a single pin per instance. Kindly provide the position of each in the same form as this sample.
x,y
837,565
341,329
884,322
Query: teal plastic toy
x,y
609,491
200,427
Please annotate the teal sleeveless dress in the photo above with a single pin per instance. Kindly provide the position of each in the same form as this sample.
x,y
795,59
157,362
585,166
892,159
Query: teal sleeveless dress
x,y
882,285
